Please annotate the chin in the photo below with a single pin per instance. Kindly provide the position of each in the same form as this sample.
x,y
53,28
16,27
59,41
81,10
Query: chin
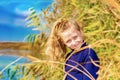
x,y
77,48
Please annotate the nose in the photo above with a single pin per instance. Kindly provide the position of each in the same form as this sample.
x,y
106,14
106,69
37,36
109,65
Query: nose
x,y
73,43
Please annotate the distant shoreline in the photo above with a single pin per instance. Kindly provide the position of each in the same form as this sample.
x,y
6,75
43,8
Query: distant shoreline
x,y
15,45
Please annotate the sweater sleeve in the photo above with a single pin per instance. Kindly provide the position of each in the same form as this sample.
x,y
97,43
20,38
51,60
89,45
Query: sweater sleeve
x,y
90,67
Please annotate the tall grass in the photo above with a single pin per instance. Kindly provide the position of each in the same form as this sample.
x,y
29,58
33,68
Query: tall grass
x,y
101,25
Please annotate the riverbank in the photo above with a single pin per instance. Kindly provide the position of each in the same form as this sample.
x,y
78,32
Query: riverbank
x,y
15,45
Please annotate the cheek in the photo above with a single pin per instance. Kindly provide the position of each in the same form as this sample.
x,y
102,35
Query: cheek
x,y
80,38
62,40
68,45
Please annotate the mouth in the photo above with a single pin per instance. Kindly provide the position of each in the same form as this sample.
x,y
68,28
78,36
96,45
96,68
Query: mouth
x,y
76,47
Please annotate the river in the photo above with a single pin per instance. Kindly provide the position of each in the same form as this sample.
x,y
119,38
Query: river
x,y
9,61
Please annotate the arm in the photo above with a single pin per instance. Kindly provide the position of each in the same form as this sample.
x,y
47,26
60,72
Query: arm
x,y
89,65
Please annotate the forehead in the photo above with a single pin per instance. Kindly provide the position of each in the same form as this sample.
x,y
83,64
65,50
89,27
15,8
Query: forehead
x,y
69,31
67,34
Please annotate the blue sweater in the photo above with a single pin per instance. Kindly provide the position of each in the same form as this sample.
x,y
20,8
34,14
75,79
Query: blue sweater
x,y
82,64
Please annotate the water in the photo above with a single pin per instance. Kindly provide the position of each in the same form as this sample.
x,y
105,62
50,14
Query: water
x,y
7,59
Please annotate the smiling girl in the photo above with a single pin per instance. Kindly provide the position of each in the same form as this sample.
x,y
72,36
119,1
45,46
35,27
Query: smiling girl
x,y
80,63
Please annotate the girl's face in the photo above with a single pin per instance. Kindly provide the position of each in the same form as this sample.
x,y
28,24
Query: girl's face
x,y
72,38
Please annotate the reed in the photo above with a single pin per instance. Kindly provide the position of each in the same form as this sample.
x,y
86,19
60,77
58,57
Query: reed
x,y
101,24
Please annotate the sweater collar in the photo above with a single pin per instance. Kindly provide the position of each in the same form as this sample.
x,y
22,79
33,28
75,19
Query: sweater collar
x,y
83,44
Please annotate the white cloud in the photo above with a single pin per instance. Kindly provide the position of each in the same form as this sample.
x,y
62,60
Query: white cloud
x,y
22,12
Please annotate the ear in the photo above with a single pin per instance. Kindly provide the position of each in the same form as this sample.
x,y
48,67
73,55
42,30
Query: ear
x,y
81,32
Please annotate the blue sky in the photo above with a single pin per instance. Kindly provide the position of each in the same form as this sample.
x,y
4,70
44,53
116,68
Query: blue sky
x,y
12,18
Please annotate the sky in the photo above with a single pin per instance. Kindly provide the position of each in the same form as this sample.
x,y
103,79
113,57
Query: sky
x,y
12,18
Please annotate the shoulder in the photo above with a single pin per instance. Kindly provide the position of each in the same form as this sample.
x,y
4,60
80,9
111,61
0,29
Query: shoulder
x,y
89,52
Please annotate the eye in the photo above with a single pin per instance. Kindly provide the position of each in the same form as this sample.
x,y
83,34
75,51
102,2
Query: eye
x,y
75,37
68,41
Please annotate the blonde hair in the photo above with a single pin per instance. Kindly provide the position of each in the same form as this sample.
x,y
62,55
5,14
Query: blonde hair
x,y
55,46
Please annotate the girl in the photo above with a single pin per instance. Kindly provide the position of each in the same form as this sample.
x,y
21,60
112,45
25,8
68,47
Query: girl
x,y
82,62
